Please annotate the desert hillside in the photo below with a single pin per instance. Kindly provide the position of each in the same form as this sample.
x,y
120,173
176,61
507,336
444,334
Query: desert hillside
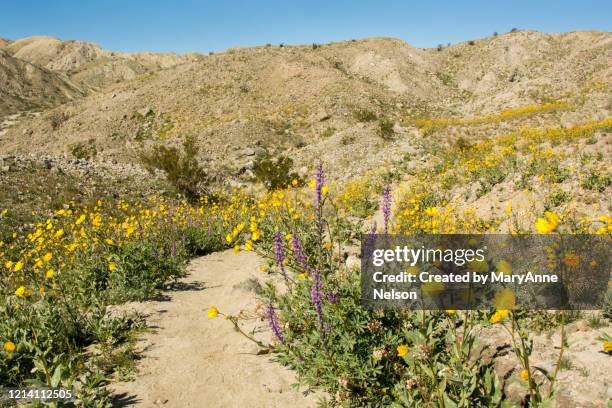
x,y
307,99
361,106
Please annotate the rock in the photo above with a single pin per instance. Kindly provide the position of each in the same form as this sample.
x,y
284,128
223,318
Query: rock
x,y
248,152
5,169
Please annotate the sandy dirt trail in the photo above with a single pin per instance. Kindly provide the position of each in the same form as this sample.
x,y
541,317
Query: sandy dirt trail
x,y
191,361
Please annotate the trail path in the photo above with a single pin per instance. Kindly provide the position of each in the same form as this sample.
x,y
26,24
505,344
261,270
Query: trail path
x,y
191,361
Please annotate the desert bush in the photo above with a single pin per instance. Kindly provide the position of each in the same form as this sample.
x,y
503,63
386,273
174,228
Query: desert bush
x,y
593,180
463,144
275,172
365,115
328,132
385,129
84,150
181,166
557,199
57,118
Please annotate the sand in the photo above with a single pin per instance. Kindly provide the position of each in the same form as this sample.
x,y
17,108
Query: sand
x,y
191,361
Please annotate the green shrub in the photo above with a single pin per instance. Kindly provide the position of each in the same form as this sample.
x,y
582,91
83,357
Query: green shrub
x,y
385,129
557,199
84,150
274,173
56,119
180,166
365,115
595,181
329,132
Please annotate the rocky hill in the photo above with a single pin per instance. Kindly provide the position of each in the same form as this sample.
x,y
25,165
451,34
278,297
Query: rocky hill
x,y
330,102
25,86
312,101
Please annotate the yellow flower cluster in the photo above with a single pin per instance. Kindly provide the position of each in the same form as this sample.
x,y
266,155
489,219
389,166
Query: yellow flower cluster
x,y
429,124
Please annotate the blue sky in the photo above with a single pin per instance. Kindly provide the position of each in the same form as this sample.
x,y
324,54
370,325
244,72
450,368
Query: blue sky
x,y
185,26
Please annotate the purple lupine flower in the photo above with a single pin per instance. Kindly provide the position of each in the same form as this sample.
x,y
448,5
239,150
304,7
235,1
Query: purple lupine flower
x,y
140,231
319,182
173,249
332,298
279,253
368,246
273,322
386,207
298,251
316,296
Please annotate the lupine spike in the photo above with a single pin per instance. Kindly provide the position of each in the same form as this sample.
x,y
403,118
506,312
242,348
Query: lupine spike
x,y
273,322
298,251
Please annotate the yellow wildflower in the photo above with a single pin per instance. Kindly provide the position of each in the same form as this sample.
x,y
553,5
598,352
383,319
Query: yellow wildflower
x,y
50,274
112,266
499,316
547,224
607,347
504,300
236,249
327,245
212,312
9,346
524,374
504,267
451,311
431,211
18,266
402,350
47,257
23,292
